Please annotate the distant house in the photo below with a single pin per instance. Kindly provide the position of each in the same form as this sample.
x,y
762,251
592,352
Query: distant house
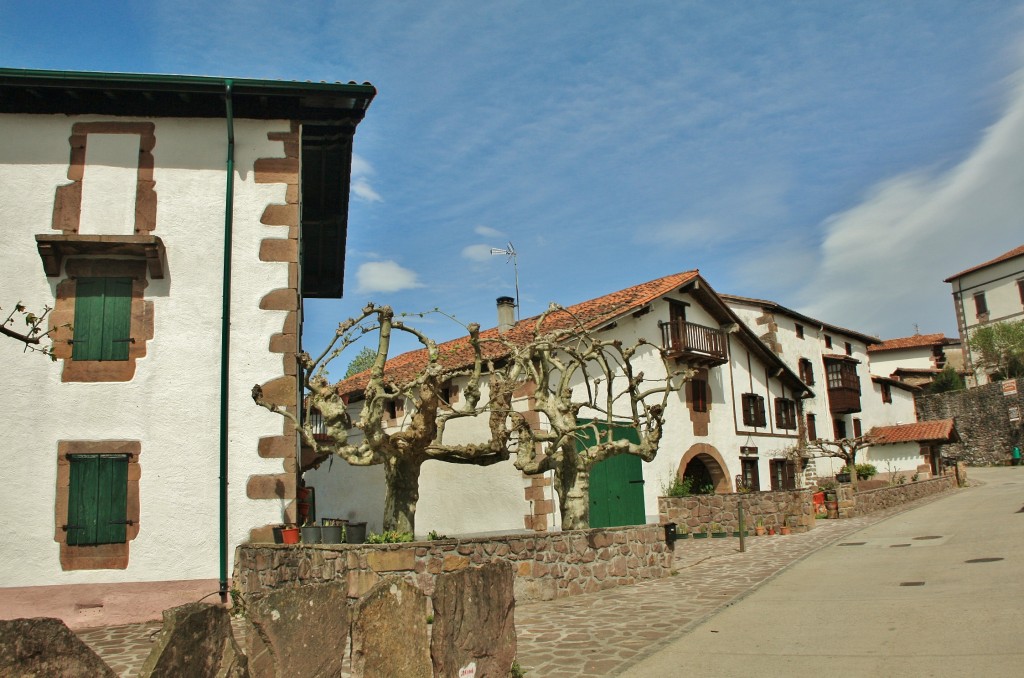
x,y
915,360
735,424
849,399
910,449
175,224
987,293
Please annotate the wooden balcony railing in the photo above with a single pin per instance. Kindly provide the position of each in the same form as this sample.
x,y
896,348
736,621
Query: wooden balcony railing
x,y
695,342
843,400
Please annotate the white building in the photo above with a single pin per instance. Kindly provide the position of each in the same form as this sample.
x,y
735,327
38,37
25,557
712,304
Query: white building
x,y
738,417
915,360
850,398
160,217
987,293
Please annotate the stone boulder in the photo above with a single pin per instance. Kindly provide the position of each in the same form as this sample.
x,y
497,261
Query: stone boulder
x,y
196,641
389,632
474,621
298,631
47,647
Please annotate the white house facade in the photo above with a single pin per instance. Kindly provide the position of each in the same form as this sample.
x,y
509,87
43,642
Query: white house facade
x,y
987,293
159,216
735,420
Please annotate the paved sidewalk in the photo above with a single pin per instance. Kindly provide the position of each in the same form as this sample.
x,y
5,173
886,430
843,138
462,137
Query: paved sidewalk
x,y
602,634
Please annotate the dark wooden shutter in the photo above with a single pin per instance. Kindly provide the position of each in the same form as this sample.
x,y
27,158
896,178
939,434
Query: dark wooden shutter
x,y
97,499
812,429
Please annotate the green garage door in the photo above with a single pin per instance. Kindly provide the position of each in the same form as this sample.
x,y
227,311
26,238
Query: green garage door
x,y
617,485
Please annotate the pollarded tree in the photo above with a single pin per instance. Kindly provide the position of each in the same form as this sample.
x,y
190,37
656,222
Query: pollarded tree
x,y
586,388
846,449
363,438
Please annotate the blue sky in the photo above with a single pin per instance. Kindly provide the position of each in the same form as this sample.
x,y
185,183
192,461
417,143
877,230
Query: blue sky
x,y
841,158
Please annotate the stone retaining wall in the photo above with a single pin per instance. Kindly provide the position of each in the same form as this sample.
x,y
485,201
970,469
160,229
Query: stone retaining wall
x,y
702,510
983,421
870,501
546,566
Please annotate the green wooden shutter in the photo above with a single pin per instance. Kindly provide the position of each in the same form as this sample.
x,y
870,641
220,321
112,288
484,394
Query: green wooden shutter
x,y
117,318
98,499
616,484
88,341
103,317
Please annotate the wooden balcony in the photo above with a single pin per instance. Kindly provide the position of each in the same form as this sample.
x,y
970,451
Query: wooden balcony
x,y
844,400
696,344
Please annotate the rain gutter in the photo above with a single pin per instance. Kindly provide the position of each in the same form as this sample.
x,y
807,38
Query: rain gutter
x,y
225,342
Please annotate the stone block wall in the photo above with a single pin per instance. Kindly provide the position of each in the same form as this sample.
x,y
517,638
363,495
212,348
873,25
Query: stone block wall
x,y
982,419
774,508
870,501
546,566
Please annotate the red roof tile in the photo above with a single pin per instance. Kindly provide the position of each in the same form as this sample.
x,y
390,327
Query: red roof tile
x,y
1015,252
458,353
918,340
938,430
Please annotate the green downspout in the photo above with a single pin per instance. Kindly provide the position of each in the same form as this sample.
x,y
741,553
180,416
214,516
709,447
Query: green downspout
x,y
225,341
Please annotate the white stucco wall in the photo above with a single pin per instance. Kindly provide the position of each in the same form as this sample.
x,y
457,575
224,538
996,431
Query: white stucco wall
x,y
884,363
172,403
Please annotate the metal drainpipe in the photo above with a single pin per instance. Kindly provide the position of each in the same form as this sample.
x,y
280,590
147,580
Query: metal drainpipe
x,y
225,341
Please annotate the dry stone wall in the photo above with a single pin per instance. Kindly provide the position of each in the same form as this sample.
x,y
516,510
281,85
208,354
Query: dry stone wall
x,y
699,512
983,421
869,501
546,566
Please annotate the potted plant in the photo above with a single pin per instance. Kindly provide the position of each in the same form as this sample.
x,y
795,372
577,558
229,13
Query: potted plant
x,y
290,534
717,532
759,527
682,531
771,530
700,533
332,530
311,533
786,528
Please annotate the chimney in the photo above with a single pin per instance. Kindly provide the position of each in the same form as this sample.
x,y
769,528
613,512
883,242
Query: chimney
x,y
506,314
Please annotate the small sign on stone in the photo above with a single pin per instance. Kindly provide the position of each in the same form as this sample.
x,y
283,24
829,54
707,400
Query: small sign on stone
x,y
468,671
1009,387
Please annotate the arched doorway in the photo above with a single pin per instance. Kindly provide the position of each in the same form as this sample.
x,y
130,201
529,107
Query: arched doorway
x,y
705,465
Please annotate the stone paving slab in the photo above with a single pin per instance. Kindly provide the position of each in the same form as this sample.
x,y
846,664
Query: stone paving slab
x,y
602,634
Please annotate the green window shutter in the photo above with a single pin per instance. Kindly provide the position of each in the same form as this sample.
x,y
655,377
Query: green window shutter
x,y
88,341
98,499
103,317
117,318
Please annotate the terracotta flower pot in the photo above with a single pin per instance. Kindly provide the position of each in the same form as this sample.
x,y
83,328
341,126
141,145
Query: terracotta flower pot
x,y
289,535
786,529
759,530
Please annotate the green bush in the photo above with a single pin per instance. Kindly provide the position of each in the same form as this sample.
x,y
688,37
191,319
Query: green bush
x,y
677,487
864,471
389,537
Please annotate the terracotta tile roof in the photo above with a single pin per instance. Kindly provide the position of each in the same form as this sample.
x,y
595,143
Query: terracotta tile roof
x,y
916,341
1015,252
458,353
938,430
806,319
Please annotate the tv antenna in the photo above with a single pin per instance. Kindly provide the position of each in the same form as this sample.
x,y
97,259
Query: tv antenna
x,y
510,252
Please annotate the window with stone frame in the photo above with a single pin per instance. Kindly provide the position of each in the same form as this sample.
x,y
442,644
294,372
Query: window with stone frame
x,y
753,410
783,474
699,388
886,393
828,341
97,499
857,431
785,413
799,331
103,316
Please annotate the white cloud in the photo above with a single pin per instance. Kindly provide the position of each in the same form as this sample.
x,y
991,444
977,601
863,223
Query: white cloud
x,y
488,232
477,252
385,276
884,260
361,173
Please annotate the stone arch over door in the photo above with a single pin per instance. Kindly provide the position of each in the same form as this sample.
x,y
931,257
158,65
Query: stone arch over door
x,y
711,459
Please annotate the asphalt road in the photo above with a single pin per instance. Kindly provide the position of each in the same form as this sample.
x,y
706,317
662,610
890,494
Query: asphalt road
x,y
935,591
